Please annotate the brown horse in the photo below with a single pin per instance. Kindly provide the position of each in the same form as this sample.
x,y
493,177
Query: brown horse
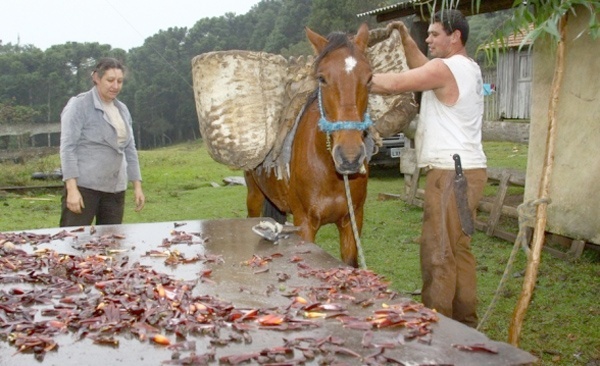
x,y
329,143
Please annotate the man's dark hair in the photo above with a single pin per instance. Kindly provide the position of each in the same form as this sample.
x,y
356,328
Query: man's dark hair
x,y
451,20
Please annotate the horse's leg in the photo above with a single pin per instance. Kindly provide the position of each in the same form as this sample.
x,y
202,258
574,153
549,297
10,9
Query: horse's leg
x,y
348,248
255,198
258,204
270,210
308,230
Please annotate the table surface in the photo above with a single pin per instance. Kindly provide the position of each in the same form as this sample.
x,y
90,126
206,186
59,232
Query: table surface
x,y
228,254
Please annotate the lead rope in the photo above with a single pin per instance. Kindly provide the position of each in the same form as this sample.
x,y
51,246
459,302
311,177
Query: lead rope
x,y
361,256
328,127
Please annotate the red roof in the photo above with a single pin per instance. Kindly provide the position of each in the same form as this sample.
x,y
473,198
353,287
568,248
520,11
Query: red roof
x,y
515,39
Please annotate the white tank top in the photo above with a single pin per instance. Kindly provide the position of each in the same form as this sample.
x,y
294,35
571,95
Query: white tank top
x,y
444,130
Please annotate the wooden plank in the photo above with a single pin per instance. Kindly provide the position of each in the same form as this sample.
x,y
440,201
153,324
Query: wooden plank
x,y
388,197
32,188
517,176
414,185
498,203
577,249
508,211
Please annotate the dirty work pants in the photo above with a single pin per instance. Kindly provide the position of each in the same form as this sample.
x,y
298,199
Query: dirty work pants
x,y
107,208
447,264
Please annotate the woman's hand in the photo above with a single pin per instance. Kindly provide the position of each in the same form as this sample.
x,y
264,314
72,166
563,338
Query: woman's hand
x,y
74,198
140,199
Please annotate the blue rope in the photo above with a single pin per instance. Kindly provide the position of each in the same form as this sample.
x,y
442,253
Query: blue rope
x,y
327,126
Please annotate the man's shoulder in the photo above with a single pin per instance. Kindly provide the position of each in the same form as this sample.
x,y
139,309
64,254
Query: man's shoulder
x,y
461,59
437,67
437,63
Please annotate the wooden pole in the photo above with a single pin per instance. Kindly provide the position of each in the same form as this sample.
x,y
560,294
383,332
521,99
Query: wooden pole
x,y
533,262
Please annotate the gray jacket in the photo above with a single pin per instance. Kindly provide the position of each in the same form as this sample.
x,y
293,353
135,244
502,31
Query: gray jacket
x,y
88,146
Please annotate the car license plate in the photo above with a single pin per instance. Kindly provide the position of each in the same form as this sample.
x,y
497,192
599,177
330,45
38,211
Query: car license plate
x,y
395,152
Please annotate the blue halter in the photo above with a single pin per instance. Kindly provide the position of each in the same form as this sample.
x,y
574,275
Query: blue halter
x,y
328,127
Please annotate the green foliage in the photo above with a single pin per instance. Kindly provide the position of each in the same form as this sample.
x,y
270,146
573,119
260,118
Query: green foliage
x,y
562,324
11,114
541,18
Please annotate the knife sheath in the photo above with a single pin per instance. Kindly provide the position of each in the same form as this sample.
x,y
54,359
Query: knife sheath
x,y
462,202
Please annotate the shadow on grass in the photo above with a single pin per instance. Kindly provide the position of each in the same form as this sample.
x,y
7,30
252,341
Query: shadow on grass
x,y
385,173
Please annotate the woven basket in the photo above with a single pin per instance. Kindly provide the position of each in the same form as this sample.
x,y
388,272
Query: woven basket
x,y
240,96
391,113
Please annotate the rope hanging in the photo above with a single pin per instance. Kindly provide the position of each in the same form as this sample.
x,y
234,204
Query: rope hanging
x,y
328,127
527,215
361,256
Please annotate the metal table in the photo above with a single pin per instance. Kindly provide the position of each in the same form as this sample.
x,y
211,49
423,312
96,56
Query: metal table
x,y
228,249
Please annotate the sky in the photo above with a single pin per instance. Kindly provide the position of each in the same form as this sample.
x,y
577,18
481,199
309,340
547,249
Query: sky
x,y
121,23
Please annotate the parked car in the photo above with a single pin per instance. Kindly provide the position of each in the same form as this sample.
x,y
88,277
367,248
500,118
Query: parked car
x,y
389,153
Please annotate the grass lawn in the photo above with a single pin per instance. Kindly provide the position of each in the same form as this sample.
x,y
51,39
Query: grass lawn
x,y
182,182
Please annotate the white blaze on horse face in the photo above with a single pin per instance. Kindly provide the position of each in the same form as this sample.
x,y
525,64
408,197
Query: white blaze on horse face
x,y
350,64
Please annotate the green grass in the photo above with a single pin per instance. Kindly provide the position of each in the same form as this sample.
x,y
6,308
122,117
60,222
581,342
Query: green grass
x,y
562,325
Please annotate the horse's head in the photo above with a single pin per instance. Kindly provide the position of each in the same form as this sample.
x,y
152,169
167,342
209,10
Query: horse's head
x,y
343,73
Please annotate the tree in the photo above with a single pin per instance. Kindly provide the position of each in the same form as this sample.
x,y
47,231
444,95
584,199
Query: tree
x,y
19,76
289,25
16,114
160,87
262,18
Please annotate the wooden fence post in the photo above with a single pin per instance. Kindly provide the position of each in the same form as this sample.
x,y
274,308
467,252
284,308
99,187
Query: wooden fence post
x,y
540,223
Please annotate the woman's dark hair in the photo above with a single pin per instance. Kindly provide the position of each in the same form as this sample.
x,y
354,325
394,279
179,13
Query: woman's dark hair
x,y
451,20
107,63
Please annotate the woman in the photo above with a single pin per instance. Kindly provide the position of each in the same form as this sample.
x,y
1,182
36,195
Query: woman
x,y
97,152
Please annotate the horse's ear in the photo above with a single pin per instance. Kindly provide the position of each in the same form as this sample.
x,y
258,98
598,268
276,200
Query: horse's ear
x,y
362,37
318,42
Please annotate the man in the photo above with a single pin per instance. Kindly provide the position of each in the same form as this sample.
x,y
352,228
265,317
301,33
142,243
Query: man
x,y
450,122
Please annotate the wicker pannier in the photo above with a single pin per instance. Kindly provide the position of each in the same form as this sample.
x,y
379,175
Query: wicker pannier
x,y
391,113
239,99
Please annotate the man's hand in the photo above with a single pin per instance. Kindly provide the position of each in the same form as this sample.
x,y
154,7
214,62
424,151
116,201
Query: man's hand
x,y
400,26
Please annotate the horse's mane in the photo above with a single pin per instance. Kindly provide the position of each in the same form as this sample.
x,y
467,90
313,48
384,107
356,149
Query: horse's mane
x,y
335,40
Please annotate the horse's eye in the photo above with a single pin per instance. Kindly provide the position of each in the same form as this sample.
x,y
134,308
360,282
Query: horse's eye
x,y
321,79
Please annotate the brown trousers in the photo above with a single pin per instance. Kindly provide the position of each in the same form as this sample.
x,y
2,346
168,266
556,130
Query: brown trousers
x,y
447,264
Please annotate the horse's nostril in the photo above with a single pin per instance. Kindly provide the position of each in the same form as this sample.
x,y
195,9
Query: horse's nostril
x,y
348,162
